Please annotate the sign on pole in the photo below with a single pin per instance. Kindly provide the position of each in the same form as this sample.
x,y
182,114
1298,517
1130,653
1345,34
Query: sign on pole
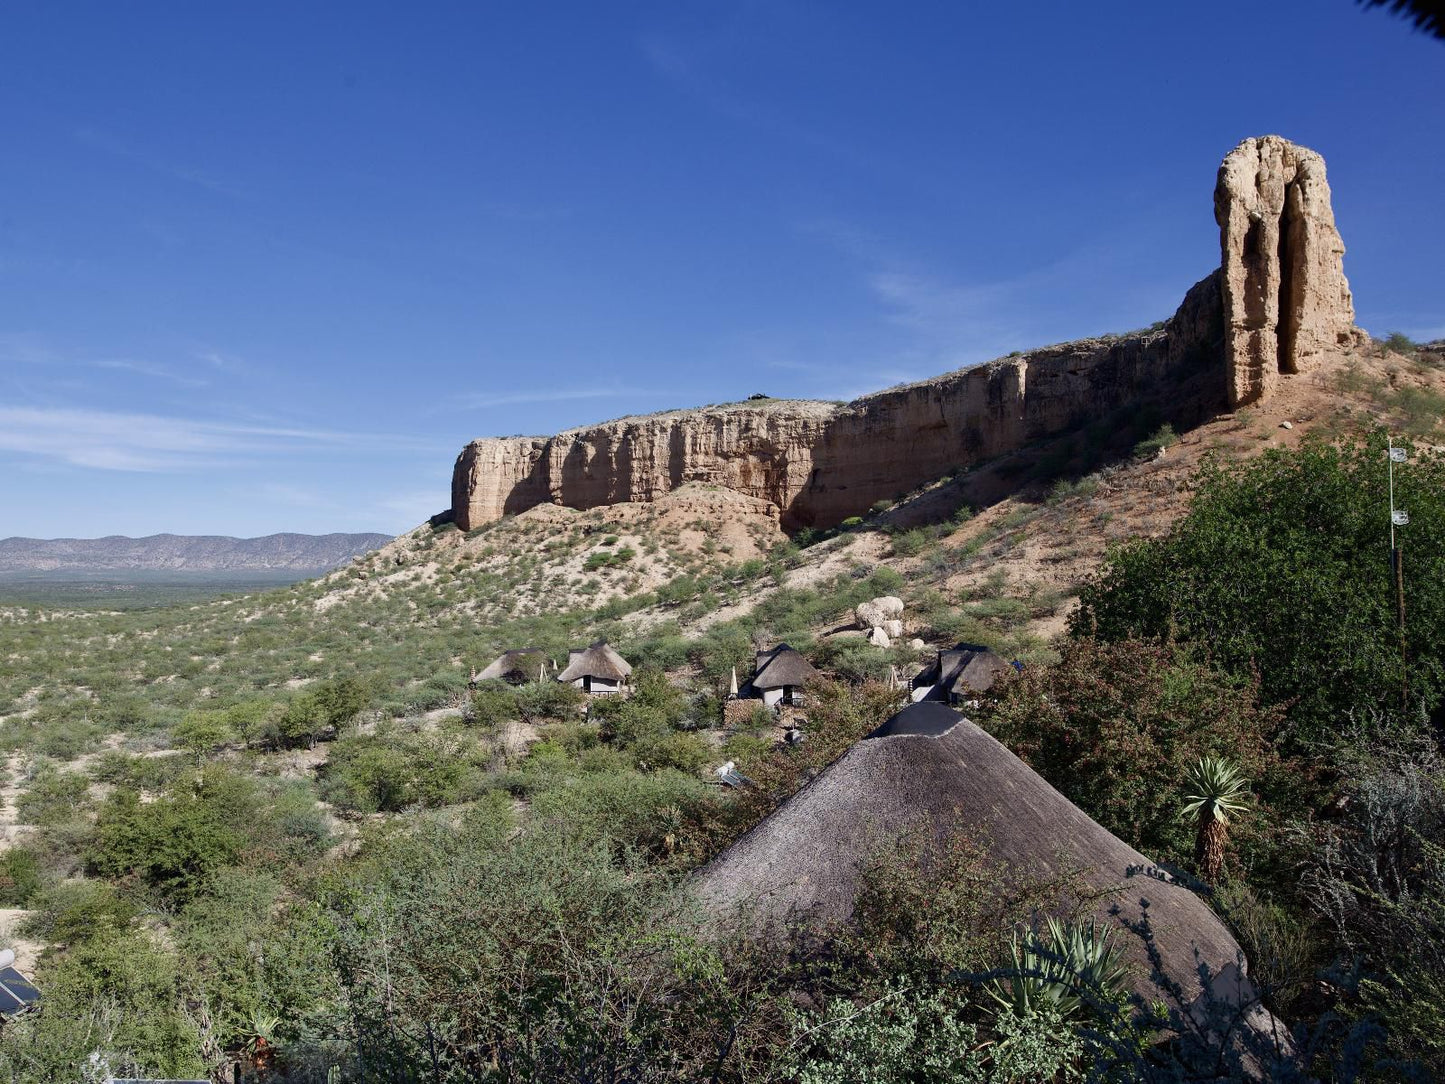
x,y
1399,517
1397,455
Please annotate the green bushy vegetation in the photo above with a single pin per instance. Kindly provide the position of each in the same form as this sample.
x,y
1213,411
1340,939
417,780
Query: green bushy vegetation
x,y
298,834
1282,567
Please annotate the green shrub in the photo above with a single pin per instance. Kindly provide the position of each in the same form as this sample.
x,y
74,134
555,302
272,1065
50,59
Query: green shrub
x,y
549,700
390,771
1282,566
853,659
53,797
174,842
493,703
202,732
1161,438
71,912
136,772
903,1036
1400,343
20,877
132,985
1116,726
326,707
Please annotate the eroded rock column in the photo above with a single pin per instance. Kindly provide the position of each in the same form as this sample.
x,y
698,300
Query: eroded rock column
x,y
1286,300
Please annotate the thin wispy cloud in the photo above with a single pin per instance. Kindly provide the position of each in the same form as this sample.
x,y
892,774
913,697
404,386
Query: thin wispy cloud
x,y
219,361
105,440
186,173
501,399
405,510
683,67
148,369
522,212
936,308
23,348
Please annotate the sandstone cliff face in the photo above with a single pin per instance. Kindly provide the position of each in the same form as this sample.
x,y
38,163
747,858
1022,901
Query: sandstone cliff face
x,y
819,463
1279,304
1286,300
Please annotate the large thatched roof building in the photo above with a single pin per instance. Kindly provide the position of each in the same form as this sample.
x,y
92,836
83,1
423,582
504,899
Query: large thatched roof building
x,y
516,667
779,676
803,865
597,668
958,674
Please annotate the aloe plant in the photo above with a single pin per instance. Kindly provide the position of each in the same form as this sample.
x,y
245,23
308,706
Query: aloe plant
x,y
1064,967
1217,791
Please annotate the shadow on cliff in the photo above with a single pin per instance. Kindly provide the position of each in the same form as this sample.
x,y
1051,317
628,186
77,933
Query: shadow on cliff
x,y
1171,375
1194,394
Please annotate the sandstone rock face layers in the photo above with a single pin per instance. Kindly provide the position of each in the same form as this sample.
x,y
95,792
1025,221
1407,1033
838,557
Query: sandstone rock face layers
x,y
819,463
1286,301
761,450
494,477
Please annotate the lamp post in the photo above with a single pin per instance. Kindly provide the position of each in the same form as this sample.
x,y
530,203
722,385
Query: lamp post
x,y
1399,518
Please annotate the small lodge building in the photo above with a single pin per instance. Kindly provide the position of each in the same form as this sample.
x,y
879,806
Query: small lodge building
x,y
516,667
597,670
960,674
779,677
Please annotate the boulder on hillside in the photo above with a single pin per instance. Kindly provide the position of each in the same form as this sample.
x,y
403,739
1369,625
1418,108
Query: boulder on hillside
x,y
878,612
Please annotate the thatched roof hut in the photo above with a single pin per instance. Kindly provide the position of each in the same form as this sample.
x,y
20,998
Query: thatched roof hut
x,y
803,865
961,672
779,676
596,662
520,665
782,666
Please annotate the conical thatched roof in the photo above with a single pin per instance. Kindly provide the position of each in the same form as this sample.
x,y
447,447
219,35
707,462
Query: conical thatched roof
x,y
521,660
963,669
597,660
780,666
803,864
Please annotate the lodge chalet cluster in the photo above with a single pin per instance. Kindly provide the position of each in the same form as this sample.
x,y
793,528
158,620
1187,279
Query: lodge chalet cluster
x,y
780,677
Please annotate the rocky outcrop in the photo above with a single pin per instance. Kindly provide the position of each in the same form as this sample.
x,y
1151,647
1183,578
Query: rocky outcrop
x,y
820,463
1286,302
1279,304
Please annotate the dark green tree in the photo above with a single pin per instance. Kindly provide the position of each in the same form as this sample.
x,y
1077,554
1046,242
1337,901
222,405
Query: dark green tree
x,y
1116,728
1282,566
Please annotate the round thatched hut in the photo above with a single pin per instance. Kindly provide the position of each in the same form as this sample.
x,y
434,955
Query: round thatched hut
x,y
804,864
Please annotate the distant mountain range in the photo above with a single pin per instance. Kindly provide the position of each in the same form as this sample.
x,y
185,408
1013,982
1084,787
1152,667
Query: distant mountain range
x,y
185,553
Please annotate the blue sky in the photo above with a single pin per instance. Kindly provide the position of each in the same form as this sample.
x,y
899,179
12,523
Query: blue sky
x,y
269,266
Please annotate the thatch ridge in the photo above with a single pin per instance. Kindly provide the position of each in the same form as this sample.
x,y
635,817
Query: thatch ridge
x,y
597,660
926,719
803,864
526,659
782,665
963,669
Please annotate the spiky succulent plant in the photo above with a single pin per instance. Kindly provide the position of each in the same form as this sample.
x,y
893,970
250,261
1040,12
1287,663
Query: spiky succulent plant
x,y
1064,966
1216,792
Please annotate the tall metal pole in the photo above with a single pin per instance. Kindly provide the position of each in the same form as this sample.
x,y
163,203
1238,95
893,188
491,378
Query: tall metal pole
x,y
1397,567
1390,459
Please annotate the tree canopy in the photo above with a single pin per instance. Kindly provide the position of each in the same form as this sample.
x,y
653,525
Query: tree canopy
x,y
1282,567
